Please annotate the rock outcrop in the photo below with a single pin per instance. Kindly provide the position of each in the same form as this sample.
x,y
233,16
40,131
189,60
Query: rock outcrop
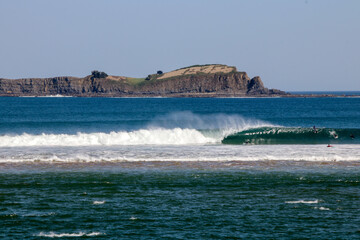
x,y
197,81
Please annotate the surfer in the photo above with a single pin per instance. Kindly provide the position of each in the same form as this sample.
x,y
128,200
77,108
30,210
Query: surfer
x,y
315,130
352,136
335,135
329,145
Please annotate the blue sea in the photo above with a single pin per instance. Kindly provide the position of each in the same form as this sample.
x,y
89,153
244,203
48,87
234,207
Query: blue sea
x,y
179,168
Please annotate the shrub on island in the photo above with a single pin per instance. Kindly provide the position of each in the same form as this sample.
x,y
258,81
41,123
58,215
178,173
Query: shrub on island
x,y
97,74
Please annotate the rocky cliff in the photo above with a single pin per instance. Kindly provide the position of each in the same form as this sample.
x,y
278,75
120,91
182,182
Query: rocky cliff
x,y
196,81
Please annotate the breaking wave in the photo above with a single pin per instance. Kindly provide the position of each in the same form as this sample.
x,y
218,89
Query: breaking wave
x,y
184,128
175,136
284,135
179,136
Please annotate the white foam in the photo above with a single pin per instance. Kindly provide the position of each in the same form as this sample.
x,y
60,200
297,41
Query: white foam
x,y
59,235
303,201
98,202
176,136
207,152
39,214
322,208
179,128
55,96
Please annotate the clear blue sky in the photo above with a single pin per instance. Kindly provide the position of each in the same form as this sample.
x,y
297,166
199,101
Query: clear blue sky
x,y
293,45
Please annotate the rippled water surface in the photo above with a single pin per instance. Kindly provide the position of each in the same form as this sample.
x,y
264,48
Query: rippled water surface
x,y
182,200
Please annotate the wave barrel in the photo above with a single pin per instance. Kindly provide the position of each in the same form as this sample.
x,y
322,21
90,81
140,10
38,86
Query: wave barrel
x,y
285,135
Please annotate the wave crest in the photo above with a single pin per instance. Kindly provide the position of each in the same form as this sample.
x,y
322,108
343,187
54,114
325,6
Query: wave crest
x,y
175,136
59,235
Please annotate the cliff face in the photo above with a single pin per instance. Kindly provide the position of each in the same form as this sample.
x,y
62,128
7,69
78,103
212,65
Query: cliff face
x,y
196,84
208,83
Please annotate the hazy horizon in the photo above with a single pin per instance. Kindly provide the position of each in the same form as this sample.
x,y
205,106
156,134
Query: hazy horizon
x,y
302,45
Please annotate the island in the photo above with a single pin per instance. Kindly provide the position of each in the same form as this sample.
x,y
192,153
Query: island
x,y
211,80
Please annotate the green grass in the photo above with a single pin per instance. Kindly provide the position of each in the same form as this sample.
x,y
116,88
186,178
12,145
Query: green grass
x,y
135,81
141,81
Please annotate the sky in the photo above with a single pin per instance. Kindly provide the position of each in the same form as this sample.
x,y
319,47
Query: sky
x,y
297,45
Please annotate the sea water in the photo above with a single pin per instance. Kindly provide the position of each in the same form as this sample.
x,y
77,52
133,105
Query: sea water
x,y
149,168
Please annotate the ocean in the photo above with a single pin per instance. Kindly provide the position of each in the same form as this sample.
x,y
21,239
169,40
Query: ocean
x,y
179,168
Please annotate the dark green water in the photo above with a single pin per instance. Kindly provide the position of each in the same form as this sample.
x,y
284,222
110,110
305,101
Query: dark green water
x,y
281,135
266,200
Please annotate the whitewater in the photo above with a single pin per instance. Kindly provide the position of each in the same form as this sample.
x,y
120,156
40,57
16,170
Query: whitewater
x,y
179,128
166,145
175,136
185,153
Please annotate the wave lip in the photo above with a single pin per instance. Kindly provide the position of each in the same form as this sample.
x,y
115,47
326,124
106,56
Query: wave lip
x,y
293,135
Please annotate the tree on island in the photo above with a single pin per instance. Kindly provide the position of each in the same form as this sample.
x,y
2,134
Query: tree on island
x,y
97,74
153,76
148,78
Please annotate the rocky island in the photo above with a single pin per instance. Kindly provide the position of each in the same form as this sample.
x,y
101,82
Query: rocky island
x,y
213,80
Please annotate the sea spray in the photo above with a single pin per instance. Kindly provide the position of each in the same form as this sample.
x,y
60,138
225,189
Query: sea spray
x,y
179,128
191,120
215,126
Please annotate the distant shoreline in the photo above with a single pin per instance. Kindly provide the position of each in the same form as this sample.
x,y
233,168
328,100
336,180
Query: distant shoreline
x,y
221,96
338,93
